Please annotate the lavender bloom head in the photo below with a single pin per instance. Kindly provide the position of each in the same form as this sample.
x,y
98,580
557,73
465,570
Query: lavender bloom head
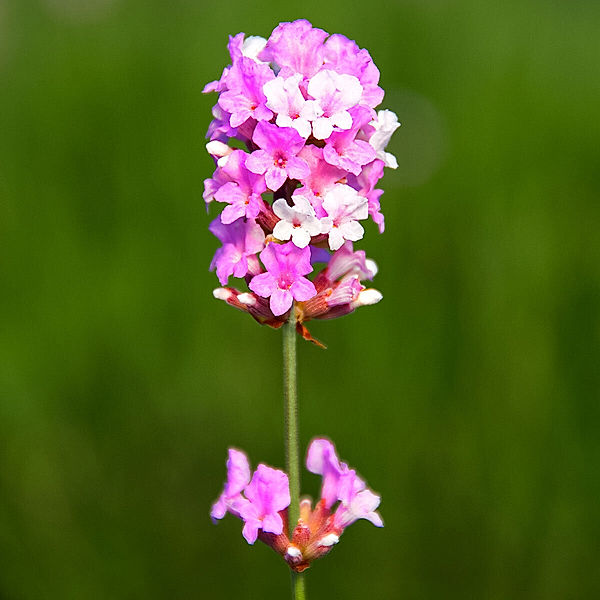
x,y
303,103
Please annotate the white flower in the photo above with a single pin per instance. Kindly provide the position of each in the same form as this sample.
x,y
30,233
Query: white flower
x,y
344,207
334,94
285,98
385,125
298,222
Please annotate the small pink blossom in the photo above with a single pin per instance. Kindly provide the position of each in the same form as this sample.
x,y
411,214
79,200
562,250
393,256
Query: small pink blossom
x,y
284,282
241,241
267,494
343,484
297,46
244,98
343,150
238,477
242,192
321,179
277,158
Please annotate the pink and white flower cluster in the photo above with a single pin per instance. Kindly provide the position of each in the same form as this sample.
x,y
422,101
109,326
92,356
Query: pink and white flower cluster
x,y
262,500
302,104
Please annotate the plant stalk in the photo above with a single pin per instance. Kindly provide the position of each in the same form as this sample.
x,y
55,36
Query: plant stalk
x,y
291,437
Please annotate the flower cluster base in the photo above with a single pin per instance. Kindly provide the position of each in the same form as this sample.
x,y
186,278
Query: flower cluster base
x,y
261,501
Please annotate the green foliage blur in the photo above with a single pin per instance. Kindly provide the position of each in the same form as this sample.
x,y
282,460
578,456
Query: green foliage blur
x,y
468,398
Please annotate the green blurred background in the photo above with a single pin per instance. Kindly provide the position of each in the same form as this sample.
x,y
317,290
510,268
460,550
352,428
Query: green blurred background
x,y
468,398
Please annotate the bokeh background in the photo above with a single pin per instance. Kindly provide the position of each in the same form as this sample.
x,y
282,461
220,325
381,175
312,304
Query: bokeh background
x,y
468,398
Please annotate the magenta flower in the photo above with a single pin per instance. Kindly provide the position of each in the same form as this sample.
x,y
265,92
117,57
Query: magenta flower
x,y
344,56
321,179
244,98
297,47
238,477
343,484
284,282
241,241
262,503
322,459
343,150
242,192
268,493
277,158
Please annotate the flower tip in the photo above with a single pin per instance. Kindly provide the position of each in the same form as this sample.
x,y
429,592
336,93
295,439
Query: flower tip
x,y
222,294
372,267
368,297
247,299
329,540
294,554
218,149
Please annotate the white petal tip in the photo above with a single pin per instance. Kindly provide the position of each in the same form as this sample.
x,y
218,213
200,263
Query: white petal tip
x,y
368,296
293,552
372,267
221,294
219,149
247,299
329,540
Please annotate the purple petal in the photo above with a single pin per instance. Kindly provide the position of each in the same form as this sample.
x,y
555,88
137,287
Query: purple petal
x,y
275,177
297,168
263,284
238,472
302,289
259,161
250,531
273,523
281,301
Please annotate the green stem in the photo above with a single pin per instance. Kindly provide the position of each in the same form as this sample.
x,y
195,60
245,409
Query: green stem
x,y
291,437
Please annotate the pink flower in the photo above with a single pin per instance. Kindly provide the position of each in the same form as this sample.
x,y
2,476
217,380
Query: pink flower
x,y
343,484
344,56
343,150
365,185
277,158
321,179
262,504
244,98
322,459
267,494
243,190
241,241
284,282
297,46
238,477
